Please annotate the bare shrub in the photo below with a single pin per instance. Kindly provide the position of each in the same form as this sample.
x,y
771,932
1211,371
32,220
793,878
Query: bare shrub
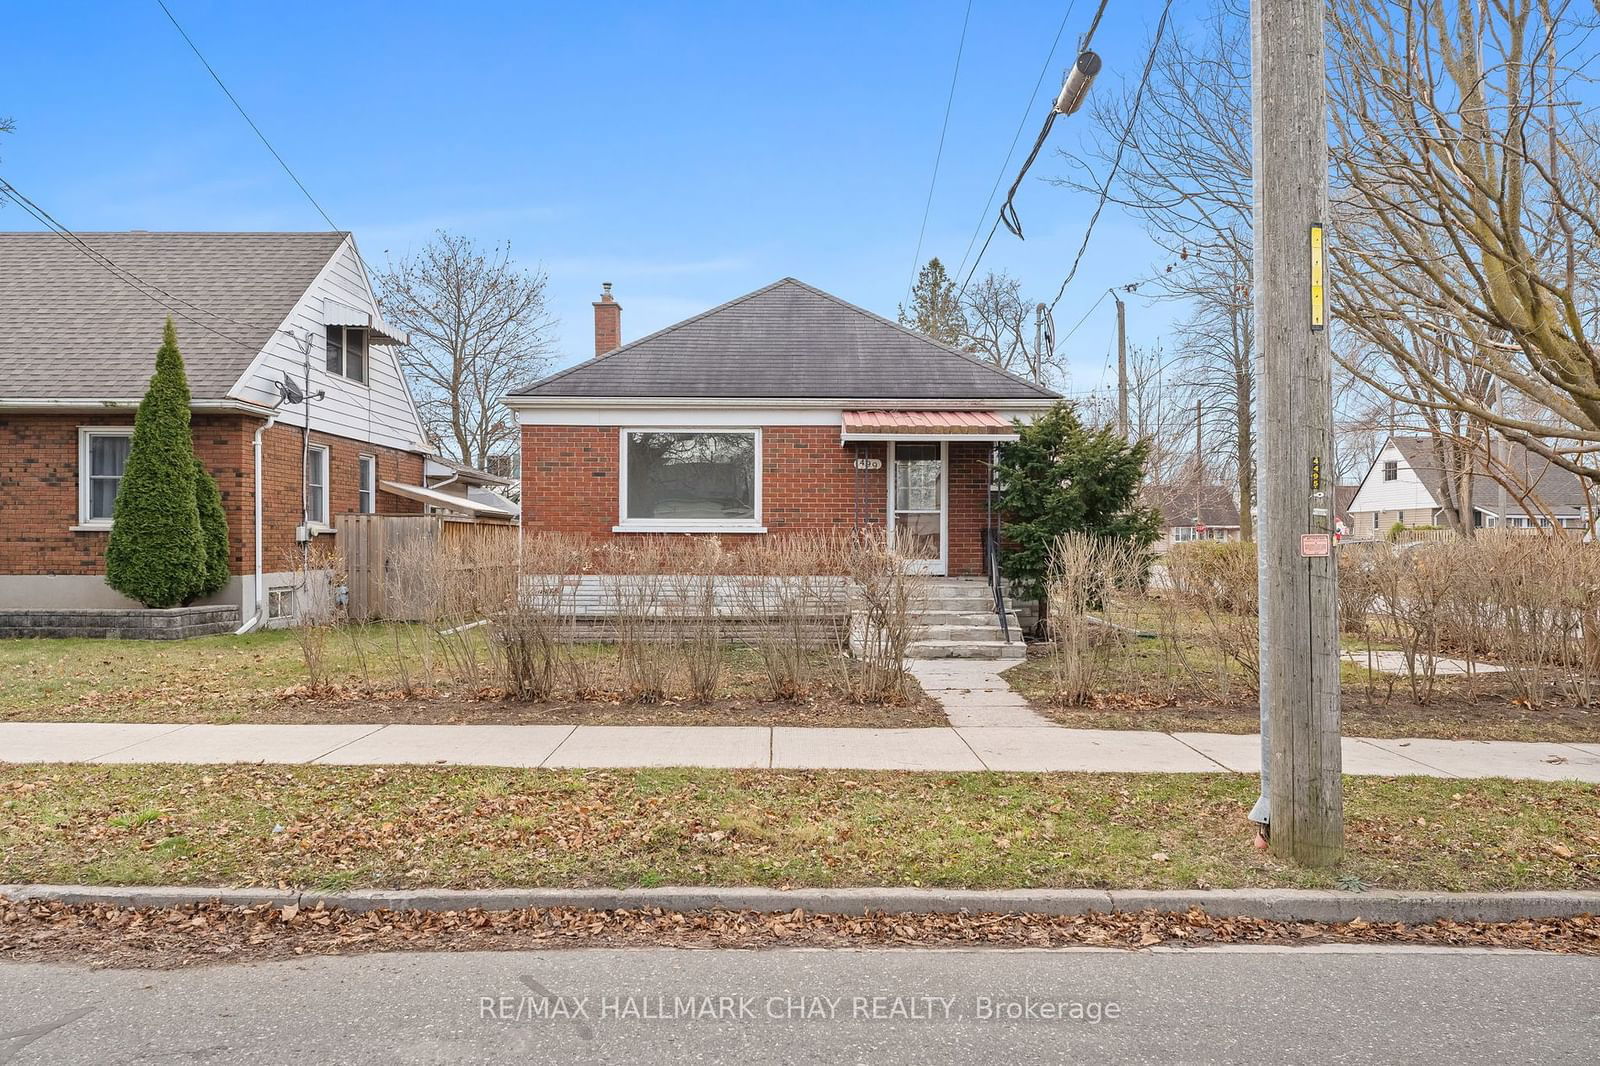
x,y
319,581
789,590
1415,586
696,623
1085,573
1543,597
537,626
884,598
1219,582
637,599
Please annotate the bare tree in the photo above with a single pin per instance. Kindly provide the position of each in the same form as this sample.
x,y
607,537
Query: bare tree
x,y
480,326
1002,327
1468,215
1185,173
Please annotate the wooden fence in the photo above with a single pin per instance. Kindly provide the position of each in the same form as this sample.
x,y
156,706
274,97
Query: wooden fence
x,y
373,549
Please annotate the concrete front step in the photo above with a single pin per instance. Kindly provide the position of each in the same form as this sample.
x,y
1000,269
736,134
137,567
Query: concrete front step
x,y
963,618
967,649
989,631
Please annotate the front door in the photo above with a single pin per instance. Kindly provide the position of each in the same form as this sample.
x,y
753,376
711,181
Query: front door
x,y
917,498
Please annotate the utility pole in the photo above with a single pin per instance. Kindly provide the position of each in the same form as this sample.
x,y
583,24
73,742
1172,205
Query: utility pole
x,y
1302,799
1199,468
1122,365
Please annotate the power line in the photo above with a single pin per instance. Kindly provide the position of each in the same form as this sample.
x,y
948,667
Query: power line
x,y
1122,144
171,302
1006,165
243,113
961,47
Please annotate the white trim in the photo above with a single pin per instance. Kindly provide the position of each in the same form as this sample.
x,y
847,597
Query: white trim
x,y
939,567
682,417
363,459
689,527
318,522
118,403
686,525
87,524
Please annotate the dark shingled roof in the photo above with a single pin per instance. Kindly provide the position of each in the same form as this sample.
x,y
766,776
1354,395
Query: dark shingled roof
x,y
70,329
1528,478
788,341
1177,505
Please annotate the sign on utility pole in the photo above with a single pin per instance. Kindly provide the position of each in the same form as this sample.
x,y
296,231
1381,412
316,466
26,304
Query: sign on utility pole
x,y
1302,799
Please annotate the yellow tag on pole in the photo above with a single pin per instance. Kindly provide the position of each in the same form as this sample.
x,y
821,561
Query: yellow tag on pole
x,y
1319,306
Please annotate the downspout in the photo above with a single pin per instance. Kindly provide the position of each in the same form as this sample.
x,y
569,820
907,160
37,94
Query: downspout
x,y
257,615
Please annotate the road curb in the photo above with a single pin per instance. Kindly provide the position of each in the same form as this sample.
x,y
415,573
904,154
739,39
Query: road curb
x,y
1272,904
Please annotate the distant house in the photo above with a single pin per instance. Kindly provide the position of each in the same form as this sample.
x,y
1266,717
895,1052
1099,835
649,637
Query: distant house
x,y
787,409
1406,484
1191,512
299,410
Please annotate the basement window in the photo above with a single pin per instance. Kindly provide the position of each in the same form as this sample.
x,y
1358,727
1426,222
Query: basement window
x,y
347,352
690,481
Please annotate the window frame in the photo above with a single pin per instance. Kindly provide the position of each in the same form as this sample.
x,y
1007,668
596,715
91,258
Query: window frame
x,y
1391,470
344,353
366,495
322,521
85,433
686,525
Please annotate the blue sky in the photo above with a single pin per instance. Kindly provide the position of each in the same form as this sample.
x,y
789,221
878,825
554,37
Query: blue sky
x,y
687,153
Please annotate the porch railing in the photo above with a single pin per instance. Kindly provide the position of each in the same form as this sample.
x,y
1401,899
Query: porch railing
x,y
991,566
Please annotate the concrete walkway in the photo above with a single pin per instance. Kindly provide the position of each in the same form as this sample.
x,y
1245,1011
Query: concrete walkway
x,y
964,747
973,694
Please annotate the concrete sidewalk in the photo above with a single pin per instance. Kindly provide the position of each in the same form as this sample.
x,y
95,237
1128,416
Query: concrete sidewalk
x,y
976,747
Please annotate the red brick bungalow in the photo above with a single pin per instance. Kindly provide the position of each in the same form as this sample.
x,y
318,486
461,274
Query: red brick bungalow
x,y
78,335
786,409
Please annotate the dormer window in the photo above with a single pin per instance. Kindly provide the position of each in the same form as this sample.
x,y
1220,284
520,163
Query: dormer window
x,y
347,352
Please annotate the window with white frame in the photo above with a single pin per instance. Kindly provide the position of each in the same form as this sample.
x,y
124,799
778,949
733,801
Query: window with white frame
x,y
347,352
317,485
367,484
1182,534
102,457
691,479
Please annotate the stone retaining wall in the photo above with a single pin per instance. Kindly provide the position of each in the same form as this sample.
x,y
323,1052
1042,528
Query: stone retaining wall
x,y
175,623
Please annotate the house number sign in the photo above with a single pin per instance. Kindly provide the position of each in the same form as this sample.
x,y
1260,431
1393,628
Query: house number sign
x,y
869,464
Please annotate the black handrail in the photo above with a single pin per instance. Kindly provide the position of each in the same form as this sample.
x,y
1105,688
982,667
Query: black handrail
x,y
991,562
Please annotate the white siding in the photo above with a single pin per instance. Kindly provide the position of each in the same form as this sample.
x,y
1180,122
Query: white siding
x,y
381,411
1405,493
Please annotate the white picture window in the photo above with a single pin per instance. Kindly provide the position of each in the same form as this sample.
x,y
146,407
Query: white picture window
x,y
691,480
347,352
367,484
102,457
317,485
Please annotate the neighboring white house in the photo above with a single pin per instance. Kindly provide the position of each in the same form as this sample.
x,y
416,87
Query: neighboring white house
x,y
1406,486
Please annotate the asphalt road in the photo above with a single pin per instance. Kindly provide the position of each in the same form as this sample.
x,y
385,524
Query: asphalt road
x,y
880,1007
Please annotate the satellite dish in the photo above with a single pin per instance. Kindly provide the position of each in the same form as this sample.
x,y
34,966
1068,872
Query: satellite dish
x,y
291,391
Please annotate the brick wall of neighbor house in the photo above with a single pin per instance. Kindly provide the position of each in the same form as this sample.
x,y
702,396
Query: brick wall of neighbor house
x,y
39,488
283,509
808,482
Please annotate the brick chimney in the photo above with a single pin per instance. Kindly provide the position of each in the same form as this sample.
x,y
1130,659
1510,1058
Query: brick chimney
x,y
607,322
